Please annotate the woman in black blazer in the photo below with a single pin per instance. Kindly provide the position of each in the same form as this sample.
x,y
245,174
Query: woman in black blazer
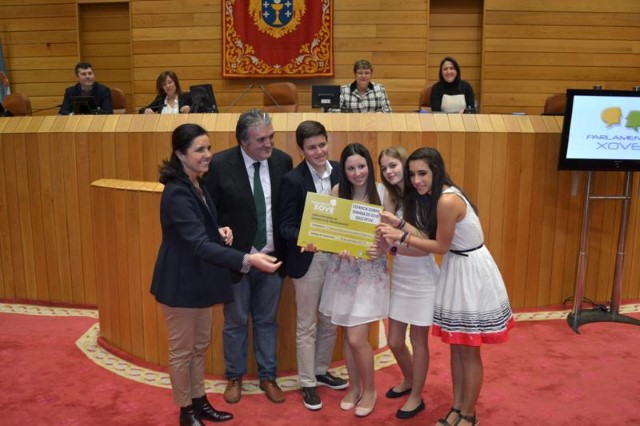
x,y
192,270
170,99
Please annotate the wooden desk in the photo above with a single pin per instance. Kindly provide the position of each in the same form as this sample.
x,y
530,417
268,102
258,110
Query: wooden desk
x,y
507,165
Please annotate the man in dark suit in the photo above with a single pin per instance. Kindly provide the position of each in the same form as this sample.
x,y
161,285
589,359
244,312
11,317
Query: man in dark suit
x,y
87,86
244,183
315,335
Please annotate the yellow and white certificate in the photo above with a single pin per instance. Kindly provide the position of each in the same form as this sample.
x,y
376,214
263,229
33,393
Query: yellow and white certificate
x,y
334,224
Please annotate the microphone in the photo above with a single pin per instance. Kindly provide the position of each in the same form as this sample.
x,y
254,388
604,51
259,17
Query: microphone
x,y
155,106
240,96
261,87
47,108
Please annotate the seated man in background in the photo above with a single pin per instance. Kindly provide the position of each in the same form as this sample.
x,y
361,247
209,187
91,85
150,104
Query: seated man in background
x,y
87,86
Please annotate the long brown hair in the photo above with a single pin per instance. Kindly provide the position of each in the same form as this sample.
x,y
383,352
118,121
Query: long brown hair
x,y
422,210
400,154
161,79
345,188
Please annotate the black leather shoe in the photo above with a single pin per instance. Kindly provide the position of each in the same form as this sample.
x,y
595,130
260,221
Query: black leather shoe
x,y
188,417
205,411
408,414
393,394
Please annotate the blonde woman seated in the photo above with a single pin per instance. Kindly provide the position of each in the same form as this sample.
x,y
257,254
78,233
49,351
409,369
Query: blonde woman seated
x,y
170,99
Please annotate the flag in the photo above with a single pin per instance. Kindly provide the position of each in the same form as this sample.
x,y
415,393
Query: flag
x,y
277,38
4,80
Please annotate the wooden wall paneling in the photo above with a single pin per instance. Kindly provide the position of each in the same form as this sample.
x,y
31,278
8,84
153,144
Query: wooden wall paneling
x,y
105,42
538,255
121,234
108,275
572,227
5,253
455,29
632,247
72,211
391,38
569,44
476,175
59,211
108,154
561,259
95,162
102,211
38,38
622,6
24,220
525,217
545,193
493,155
121,151
286,347
52,292
510,239
84,217
149,224
528,201
34,183
15,283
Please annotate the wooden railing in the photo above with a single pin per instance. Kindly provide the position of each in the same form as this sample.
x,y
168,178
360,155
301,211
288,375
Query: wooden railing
x,y
507,164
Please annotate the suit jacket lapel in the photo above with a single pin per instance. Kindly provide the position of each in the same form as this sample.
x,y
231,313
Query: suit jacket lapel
x,y
307,177
238,173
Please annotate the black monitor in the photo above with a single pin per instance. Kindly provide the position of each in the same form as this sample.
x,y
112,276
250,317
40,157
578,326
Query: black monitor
x,y
202,98
601,131
84,105
325,97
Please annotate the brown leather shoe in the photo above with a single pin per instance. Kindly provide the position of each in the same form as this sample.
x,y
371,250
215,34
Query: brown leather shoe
x,y
273,391
233,391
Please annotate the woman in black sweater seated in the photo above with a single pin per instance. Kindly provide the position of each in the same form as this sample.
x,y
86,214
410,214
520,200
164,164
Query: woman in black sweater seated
x,y
169,99
451,93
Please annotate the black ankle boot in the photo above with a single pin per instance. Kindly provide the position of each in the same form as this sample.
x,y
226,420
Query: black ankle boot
x,y
188,417
205,411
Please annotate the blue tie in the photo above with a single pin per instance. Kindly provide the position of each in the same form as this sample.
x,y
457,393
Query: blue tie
x,y
261,209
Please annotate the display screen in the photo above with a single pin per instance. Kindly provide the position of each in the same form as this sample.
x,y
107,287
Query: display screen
x,y
325,97
84,105
601,131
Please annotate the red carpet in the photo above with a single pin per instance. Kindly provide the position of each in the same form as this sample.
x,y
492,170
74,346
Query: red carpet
x,y
546,374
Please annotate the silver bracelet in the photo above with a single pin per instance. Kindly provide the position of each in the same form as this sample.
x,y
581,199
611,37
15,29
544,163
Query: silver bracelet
x,y
246,265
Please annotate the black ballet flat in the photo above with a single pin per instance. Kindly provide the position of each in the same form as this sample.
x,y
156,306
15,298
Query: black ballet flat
x,y
393,394
401,414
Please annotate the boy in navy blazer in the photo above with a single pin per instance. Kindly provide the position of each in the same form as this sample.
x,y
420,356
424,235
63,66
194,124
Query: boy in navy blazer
x,y
315,335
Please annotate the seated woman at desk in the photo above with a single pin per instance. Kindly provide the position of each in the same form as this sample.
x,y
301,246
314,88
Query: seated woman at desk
x,y
451,93
170,99
363,95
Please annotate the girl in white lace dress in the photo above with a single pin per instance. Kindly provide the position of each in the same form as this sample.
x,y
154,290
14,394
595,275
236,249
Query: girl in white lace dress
x,y
356,291
413,288
472,305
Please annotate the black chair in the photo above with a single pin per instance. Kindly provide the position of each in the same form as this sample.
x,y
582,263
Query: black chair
x,y
203,99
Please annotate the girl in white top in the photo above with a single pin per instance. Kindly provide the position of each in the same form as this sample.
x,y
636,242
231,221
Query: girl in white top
x,y
472,305
356,291
413,288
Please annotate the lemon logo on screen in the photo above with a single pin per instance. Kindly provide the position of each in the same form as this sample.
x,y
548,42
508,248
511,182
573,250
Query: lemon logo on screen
x,y
611,116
